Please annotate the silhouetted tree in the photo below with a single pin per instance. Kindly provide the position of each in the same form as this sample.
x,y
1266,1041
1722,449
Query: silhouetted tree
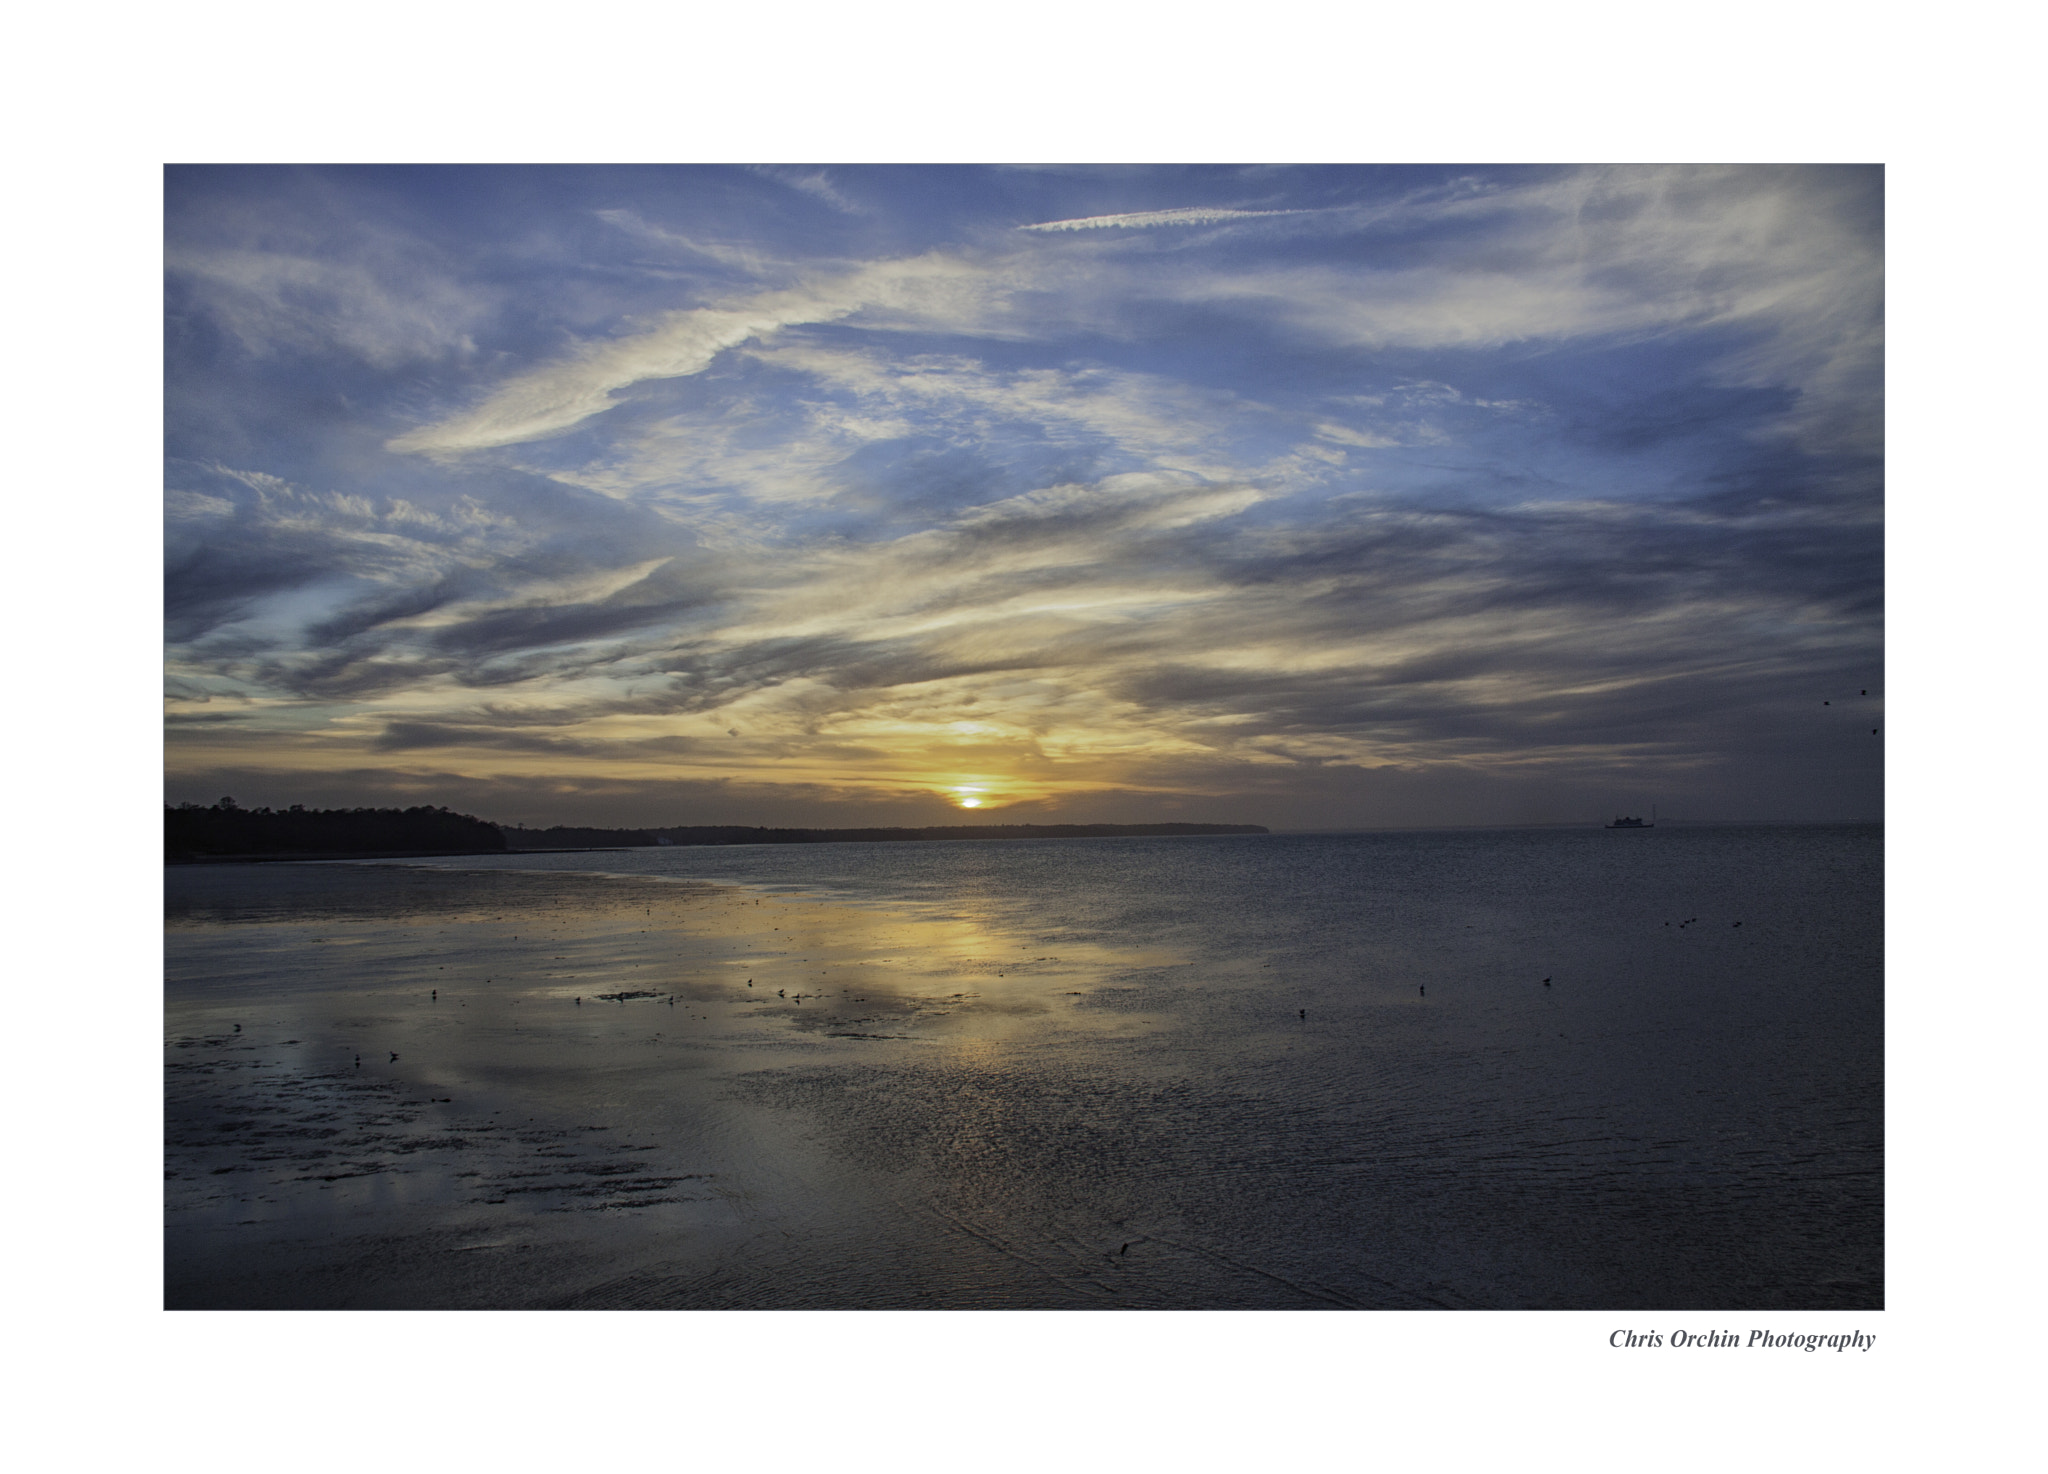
x,y
226,829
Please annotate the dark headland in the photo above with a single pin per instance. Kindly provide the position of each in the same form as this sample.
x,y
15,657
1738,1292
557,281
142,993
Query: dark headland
x,y
225,831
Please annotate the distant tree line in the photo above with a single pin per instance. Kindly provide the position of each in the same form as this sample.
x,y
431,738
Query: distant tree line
x,y
197,831
569,837
225,828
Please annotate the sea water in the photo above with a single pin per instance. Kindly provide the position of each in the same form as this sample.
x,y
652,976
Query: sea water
x,y
1526,1068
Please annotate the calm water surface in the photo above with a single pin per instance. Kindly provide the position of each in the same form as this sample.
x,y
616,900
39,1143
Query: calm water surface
x,y
1288,1071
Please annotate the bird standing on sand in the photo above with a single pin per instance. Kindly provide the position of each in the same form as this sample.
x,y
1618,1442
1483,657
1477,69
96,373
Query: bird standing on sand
x,y
1546,982
1422,991
238,1028
394,1059
1304,1013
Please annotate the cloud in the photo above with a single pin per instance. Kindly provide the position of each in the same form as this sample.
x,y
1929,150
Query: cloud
x,y
559,395
1151,420
1563,474
325,275
816,183
744,259
1363,439
1593,254
272,302
415,736
1140,617
1147,219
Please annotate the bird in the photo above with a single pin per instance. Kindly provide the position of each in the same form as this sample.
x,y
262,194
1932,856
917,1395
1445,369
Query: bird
x,y
1304,1013
433,992
1424,992
1738,923
238,1028
394,1059
1546,982
579,1002
1862,693
1125,1249
359,1061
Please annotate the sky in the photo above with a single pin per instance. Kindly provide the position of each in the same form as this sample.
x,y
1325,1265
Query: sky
x,y
1316,497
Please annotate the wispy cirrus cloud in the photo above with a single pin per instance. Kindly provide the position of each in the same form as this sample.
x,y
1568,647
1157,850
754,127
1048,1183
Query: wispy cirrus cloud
x,y
1507,481
388,313
561,394
1150,219
816,183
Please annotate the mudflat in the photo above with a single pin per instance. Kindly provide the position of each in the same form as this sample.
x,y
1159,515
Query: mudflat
x,y
404,1087
1512,1069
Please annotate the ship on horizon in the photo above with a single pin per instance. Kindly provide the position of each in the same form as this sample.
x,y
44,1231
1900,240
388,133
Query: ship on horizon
x,y
1649,823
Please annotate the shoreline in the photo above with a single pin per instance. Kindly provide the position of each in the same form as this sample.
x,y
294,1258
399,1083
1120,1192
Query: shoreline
x,y
1572,826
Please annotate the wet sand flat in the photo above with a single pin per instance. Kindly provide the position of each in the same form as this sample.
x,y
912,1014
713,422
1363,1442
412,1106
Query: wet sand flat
x,y
1441,1071
566,1103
